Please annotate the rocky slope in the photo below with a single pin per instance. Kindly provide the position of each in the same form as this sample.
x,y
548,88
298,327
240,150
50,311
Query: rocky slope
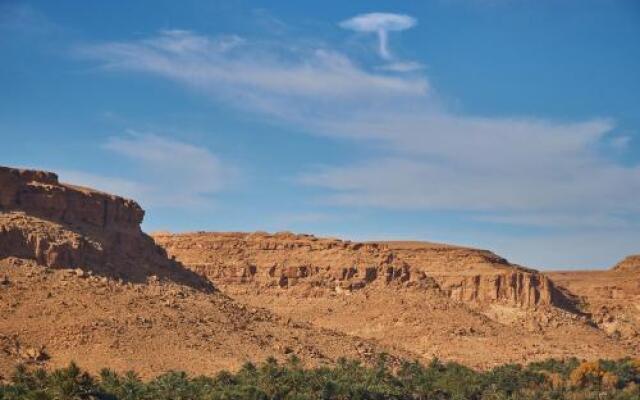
x,y
431,299
630,264
53,316
305,262
611,297
80,281
65,226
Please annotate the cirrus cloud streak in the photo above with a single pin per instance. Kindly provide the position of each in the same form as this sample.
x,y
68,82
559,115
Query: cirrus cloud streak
x,y
432,157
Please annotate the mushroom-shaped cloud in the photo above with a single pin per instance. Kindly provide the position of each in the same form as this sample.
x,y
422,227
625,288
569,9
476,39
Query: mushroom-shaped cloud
x,y
380,23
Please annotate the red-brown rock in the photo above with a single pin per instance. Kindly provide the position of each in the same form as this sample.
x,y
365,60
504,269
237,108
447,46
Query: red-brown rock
x,y
64,226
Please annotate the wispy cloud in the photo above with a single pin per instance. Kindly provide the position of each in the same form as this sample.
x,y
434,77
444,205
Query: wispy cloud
x,y
401,66
452,184
434,158
620,143
563,221
251,72
123,187
22,18
295,219
566,250
169,173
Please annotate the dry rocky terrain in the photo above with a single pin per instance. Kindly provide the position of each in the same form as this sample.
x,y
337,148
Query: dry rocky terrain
x,y
611,297
451,302
80,281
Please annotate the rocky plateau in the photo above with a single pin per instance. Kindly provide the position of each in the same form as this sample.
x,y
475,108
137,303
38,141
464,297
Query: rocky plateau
x,y
80,280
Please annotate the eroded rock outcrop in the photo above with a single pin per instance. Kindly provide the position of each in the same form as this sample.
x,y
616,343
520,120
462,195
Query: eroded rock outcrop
x,y
65,226
407,299
286,260
39,193
611,297
78,277
629,264
521,288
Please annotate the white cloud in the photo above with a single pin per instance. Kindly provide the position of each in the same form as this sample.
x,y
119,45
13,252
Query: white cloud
x,y
176,174
126,188
568,220
574,250
402,66
621,143
22,18
374,22
405,183
293,219
520,170
242,71
381,24
166,172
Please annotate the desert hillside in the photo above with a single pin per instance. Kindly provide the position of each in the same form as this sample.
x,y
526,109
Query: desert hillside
x,y
452,302
611,297
629,264
80,281
78,277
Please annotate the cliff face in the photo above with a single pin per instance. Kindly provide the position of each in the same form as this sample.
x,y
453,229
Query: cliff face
x,y
523,289
304,262
64,226
60,225
40,194
629,264
130,306
78,277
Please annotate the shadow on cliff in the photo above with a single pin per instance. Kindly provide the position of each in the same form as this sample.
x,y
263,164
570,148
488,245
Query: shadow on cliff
x,y
153,265
565,299
130,256
65,226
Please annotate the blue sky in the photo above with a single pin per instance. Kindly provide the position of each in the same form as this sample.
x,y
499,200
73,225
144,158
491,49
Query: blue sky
x,y
510,125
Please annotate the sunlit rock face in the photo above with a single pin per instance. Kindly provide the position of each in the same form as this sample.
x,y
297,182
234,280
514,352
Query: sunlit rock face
x,y
288,261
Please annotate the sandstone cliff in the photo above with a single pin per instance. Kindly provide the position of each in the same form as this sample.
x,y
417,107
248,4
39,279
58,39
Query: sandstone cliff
x,y
289,261
611,297
630,263
41,194
433,300
65,226
78,278
80,281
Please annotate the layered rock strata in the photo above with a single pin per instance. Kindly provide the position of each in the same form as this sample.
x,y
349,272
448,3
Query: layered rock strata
x,y
630,264
287,261
64,226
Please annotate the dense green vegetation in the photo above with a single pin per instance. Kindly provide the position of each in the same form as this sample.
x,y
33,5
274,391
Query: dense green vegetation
x,y
552,379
